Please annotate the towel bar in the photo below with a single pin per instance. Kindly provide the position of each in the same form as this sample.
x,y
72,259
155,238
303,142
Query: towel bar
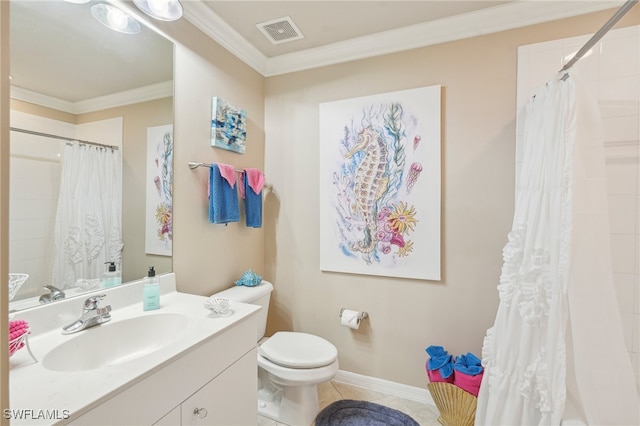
x,y
194,165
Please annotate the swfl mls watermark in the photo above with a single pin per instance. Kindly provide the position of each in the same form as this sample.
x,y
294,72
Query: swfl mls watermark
x,y
31,414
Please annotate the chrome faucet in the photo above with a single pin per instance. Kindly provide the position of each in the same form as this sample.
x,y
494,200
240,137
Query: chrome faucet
x,y
92,314
53,295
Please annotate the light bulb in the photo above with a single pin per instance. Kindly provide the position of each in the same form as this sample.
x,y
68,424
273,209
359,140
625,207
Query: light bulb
x,y
117,19
164,10
114,18
159,6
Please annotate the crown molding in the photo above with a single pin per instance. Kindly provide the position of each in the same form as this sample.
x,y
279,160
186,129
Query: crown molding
x,y
39,99
485,21
216,28
134,96
141,94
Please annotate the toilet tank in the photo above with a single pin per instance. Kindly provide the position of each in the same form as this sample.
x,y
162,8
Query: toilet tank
x,y
257,295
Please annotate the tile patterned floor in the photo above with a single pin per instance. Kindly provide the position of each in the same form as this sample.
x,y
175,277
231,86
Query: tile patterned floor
x,y
329,392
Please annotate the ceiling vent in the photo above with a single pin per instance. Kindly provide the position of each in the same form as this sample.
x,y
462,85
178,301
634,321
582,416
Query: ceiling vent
x,y
280,30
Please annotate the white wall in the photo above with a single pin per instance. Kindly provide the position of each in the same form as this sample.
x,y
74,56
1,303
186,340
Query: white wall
x,y
612,74
34,188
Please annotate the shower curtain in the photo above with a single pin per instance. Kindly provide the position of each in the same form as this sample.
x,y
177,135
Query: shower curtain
x,y
557,330
88,219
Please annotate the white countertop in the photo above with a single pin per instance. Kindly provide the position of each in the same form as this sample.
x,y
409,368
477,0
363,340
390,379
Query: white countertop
x,y
34,388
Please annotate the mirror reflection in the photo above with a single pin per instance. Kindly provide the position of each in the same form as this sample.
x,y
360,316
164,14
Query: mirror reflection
x,y
73,79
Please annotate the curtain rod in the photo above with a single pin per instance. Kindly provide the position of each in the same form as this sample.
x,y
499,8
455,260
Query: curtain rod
x,y
64,138
600,33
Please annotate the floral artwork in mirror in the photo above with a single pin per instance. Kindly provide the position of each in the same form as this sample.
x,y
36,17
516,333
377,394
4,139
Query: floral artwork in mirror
x,y
159,223
228,126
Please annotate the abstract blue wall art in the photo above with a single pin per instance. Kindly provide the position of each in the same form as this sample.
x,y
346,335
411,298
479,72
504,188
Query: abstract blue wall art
x,y
228,126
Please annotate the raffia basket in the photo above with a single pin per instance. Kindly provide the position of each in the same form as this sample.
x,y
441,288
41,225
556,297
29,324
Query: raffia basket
x,y
457,407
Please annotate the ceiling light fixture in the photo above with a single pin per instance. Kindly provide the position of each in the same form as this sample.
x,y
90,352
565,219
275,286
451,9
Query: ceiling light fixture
x,y
164,10
115,18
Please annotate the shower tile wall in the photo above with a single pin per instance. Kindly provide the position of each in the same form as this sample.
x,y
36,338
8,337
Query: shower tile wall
x,y
612,73
33,197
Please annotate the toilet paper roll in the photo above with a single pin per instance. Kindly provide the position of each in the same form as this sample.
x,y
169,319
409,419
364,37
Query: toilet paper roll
x,y
350,319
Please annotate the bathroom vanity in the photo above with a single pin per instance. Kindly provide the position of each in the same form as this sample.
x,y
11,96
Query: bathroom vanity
x,y
179,365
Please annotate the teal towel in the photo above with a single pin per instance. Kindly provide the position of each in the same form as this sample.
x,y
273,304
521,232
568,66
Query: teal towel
x,y
440,360
252,204
468,364
223,198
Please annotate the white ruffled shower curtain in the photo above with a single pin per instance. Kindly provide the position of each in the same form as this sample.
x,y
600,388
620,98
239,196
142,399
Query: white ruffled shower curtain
x,y
558,330
88,219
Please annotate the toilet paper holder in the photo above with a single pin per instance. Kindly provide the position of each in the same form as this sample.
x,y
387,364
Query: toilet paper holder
x,y
361,315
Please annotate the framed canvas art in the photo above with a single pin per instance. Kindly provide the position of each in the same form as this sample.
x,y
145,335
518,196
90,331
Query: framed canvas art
x,y
380,184
228,126
159,211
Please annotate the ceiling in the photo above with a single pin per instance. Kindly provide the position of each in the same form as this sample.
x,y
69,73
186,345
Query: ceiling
x,y
326,22
340,31
59,50
61,57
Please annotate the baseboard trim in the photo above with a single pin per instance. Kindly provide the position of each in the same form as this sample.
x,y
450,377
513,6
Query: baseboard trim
x,y
375,384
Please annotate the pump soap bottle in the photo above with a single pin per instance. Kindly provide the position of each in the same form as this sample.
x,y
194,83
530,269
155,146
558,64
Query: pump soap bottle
x,y
111,277
151,291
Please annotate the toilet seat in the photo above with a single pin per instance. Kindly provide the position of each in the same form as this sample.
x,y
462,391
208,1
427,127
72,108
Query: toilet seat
x,y
298,350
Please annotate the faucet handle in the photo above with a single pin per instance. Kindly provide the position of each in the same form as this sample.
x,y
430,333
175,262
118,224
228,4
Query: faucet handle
x,y
92,302
55,293
104,313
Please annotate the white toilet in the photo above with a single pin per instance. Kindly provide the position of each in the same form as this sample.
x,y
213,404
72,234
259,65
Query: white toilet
x,y
290,364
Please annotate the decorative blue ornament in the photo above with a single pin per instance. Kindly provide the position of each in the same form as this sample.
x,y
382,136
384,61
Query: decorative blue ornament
x,y
249,279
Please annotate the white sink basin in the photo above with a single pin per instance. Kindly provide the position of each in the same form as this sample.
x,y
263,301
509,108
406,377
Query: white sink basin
x,y
116,342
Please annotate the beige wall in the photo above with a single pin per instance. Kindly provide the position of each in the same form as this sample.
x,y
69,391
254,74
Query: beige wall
x,y
34,109
478,76
207,257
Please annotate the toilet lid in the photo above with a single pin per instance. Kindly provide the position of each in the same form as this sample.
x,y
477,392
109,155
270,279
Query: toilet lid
x,y
298,350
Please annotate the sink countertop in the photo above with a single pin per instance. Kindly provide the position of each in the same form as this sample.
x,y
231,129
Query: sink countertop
x,y
33,387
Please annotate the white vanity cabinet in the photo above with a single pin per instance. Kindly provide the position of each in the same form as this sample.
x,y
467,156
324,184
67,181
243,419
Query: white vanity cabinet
x,y
170,419
213,383
223,401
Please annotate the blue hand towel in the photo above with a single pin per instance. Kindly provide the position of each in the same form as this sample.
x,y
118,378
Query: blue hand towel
x,y
468,364
223,198
252,204
440,360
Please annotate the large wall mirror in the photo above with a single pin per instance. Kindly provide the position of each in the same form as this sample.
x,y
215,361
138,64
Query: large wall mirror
x,y
71,76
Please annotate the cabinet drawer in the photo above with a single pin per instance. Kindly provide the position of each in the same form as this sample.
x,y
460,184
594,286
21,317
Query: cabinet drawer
x,y
229,399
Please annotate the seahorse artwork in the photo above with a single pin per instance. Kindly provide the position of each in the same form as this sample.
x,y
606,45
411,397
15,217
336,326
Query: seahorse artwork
x,y
380,188
367,186
371,182
164,186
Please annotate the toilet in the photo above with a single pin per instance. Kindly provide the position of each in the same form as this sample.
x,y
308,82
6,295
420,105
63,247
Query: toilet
x,y
290,364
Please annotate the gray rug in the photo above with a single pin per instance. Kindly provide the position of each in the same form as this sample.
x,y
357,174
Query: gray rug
x,y
347,412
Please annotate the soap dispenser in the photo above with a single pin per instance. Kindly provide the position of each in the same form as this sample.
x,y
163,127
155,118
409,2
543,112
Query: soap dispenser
x,y
151,291
111,277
